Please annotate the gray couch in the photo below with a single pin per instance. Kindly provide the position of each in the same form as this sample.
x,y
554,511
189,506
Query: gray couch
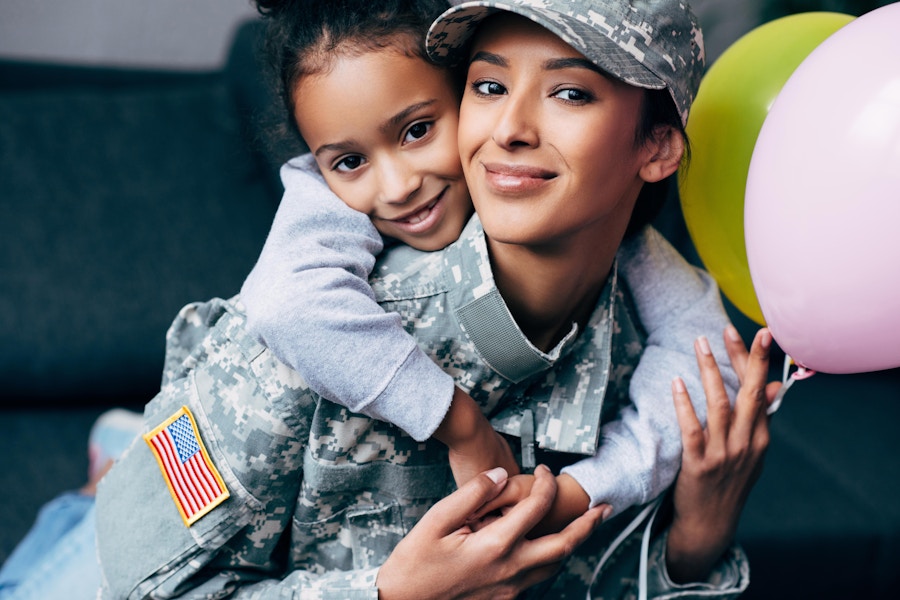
x,y
124,195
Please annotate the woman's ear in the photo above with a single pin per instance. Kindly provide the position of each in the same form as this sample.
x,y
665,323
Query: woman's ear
x,y
665,152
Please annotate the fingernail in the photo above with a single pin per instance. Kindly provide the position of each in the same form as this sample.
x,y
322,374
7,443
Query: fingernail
x,y
703,344
732,333
542,468
606,513
497,474
678,385
765,338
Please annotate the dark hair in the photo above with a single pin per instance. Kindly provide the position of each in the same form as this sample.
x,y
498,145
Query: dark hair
x,y
658,110
303,36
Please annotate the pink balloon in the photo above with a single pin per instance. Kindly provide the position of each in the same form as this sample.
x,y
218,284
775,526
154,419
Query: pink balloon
x,y
822,208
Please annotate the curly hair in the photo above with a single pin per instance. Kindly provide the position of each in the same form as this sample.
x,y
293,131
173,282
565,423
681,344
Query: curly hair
x,y
303,37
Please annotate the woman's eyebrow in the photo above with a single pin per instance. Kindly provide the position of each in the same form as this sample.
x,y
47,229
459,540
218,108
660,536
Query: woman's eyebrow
x,y
488,57
553,64
556,64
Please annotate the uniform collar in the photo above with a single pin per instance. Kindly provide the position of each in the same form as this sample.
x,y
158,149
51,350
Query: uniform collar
x,y
565,407
484,316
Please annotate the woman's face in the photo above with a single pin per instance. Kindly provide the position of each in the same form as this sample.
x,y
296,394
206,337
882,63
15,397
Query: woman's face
x,y
547,141
382,128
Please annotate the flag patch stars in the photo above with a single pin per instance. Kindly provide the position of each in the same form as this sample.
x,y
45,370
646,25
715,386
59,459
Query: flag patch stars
x,y
187,469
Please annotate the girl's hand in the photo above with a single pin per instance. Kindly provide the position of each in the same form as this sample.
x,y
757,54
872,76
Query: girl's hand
x,y
571,502
473,445
444,557
720,463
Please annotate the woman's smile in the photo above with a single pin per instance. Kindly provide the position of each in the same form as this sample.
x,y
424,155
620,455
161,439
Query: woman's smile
x,y
547,140
507,178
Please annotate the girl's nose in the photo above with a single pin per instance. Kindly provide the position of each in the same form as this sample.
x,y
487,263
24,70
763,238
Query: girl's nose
x,y
399,181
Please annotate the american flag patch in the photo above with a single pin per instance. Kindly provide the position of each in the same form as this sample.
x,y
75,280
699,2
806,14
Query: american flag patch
x,y
192,478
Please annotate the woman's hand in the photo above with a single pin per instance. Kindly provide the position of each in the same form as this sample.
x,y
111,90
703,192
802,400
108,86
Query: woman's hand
x,y
720,463
444,557
571,502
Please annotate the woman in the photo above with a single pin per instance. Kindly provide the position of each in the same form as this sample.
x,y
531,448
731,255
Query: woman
x,y
319,497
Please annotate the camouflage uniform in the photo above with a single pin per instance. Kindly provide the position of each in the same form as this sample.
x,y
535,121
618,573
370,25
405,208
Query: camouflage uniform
x,y
311,283
319,496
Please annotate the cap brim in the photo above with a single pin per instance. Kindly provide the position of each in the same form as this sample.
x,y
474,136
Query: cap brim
x,y
450,33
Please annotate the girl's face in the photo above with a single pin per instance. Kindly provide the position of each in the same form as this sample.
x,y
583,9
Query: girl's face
x,y
382,127
547,141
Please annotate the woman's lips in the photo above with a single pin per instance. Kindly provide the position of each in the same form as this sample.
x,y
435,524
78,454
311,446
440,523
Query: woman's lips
x,y
516,178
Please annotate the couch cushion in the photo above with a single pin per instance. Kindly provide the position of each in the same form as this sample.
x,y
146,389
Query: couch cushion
x,y
118,207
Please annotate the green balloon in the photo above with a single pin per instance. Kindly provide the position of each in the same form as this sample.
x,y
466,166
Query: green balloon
x,y
733,101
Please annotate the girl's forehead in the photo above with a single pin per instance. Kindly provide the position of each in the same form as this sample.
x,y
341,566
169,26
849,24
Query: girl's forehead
x,y
369,93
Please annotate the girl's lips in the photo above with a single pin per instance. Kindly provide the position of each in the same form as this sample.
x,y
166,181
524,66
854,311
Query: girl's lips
x,y
423,219
516,178
419,215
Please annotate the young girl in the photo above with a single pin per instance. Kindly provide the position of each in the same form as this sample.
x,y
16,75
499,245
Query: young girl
x,y
396,163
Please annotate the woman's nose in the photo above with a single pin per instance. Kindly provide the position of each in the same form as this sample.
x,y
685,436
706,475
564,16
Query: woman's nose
x,y
516,125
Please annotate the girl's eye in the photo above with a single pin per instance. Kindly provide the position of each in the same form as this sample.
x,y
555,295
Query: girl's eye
x,y
417,131
488,88
573,95
348,163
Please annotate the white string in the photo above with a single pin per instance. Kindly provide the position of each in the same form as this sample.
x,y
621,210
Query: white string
x,y
635,523
776,403
645,551
787,380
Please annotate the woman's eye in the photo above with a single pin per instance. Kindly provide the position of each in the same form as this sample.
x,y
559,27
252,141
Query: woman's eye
x,y
417,131
572,95
348,163
488,88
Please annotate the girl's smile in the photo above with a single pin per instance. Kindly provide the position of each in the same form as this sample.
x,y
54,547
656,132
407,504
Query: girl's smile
x,y
423,219
382,126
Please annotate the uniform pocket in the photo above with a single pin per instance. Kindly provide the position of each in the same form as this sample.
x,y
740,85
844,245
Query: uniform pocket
x,y
358,537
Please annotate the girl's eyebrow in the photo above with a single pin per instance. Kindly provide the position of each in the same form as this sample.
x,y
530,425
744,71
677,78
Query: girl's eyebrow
x,y
397,119
335,147
404,114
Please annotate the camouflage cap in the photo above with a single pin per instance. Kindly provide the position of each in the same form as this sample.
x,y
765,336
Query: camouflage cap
x,y
654,44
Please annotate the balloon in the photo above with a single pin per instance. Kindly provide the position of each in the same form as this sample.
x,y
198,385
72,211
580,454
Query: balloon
x,y
822,214
726,117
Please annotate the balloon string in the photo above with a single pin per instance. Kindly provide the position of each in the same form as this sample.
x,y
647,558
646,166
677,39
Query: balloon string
x,y
788,379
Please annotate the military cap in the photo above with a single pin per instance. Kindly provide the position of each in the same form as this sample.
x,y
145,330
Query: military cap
x,y
653,44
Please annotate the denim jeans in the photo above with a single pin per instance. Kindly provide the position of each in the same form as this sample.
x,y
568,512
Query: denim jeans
x,y
57,559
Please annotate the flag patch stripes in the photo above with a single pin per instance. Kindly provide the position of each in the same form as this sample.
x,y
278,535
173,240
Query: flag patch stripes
x,y
190,475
